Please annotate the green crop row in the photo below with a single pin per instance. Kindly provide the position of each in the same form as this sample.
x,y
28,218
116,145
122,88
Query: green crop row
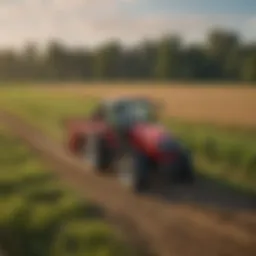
x,y
230,155
39,216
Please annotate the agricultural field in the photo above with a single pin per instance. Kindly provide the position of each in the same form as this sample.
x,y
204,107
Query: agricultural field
x,y
218,124
223,104
41,216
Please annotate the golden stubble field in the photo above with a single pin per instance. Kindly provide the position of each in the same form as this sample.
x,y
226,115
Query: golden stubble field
x,y
222,105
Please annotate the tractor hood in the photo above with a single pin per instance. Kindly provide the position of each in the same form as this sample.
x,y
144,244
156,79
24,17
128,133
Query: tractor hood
x,y
150,136
149,131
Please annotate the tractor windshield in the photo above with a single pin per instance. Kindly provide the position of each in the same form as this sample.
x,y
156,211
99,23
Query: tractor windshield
x,y
139,111
126,113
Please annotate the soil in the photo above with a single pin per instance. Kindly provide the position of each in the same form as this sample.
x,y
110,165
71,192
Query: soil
x,y
204,219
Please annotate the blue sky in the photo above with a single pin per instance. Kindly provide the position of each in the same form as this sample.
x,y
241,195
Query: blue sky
x,y
89,22
203,6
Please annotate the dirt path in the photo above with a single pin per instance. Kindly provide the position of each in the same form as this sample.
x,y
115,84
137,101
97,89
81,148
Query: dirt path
x,y
167,229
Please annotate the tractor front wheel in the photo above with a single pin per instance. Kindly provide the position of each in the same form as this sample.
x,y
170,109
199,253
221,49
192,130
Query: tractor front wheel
x,y
133,171
97,153
186,172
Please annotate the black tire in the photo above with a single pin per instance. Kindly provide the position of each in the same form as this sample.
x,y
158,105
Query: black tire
x,y
186,172
133,171
97,154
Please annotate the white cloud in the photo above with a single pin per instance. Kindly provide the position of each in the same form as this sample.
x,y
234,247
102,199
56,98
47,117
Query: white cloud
x,y
251,23
90,21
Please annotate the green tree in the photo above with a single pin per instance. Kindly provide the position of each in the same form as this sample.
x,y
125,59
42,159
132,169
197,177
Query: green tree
x,y
30,62
248,71
195,63
223,50
9,65
107,61
146,55
168,58
222,56
56,60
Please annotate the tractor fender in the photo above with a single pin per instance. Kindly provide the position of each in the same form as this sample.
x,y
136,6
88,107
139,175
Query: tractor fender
x,y
79,133
147,137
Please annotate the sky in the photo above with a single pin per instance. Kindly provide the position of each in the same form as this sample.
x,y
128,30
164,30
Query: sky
x,y
89,22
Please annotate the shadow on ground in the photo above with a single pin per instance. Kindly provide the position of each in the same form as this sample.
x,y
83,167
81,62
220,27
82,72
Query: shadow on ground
x,y
208,192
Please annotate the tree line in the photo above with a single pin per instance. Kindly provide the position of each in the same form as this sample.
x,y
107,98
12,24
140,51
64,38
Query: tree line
x,y
222,56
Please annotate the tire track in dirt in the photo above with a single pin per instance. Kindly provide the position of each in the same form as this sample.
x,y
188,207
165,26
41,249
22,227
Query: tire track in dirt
x,y
167,230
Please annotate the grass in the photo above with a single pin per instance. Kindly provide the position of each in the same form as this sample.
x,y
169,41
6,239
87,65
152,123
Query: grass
x,y
224,153
39,216
45,110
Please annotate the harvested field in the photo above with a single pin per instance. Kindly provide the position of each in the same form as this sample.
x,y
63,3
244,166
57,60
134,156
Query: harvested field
x,y
220,105
168,229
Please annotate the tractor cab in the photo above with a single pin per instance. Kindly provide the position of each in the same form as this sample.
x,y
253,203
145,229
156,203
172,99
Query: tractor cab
x,y
124,113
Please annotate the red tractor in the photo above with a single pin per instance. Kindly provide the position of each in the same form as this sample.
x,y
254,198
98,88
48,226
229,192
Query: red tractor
x,y
124,135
